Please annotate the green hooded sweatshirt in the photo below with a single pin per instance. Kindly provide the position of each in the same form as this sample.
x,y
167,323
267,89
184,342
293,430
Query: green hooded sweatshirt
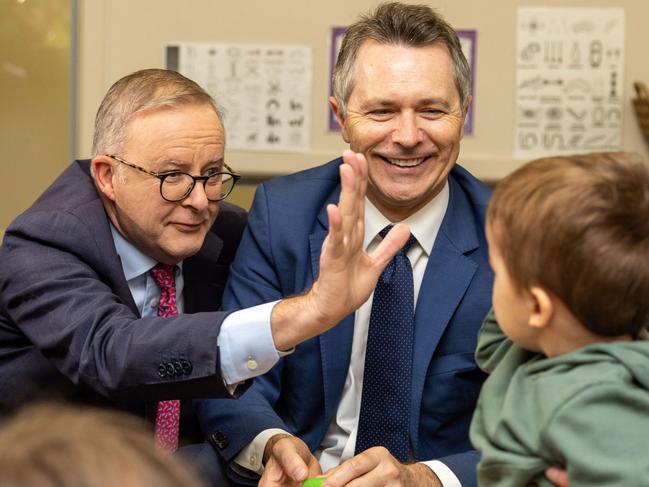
x,y
587,411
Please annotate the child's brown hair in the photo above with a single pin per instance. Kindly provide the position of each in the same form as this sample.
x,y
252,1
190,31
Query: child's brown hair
x,y
578,226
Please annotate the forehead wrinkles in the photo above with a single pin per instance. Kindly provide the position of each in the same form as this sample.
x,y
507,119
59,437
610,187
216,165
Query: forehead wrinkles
x,y
183,150
190,118
195,140
157,140
416,76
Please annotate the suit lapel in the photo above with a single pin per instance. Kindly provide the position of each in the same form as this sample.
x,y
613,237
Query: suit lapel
x,y
91,211
112,261
448,275
335,344
204,277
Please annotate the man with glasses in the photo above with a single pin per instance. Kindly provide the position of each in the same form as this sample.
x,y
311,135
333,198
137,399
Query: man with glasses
x,y
110,282
176,185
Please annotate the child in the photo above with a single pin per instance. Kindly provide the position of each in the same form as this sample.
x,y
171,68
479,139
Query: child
x,y
569,384
57,445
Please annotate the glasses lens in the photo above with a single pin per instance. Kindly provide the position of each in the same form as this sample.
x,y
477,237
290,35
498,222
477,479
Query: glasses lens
x,y
176,186
219,186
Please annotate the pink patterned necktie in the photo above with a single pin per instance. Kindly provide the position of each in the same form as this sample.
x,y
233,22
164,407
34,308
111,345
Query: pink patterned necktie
x,y
167,420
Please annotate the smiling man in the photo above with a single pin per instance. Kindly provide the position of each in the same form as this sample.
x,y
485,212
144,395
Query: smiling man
x,y
110,283
395,382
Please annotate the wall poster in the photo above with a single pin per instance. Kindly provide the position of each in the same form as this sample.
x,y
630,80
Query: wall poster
x,y
265,90
570,78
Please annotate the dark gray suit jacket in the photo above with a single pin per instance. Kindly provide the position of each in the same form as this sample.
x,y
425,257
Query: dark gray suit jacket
x,y
69,328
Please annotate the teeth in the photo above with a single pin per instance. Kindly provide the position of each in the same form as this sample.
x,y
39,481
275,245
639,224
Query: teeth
x,y
405,162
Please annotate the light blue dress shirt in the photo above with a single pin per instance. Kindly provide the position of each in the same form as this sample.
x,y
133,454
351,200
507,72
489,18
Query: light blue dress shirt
x,y
245,340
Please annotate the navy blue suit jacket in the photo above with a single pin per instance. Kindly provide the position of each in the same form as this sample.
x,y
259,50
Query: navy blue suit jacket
x,y
69,328
279,256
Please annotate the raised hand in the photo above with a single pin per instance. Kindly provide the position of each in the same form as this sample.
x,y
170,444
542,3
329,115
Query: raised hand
x,y
348,274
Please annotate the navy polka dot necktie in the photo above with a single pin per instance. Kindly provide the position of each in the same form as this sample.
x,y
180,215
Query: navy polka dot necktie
x,y
385,400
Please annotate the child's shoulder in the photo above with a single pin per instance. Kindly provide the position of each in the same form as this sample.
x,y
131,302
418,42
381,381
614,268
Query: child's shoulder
x,y
603,369
602,414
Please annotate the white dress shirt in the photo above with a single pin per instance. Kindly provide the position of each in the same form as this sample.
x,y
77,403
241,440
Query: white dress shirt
x,y
340,440
245,340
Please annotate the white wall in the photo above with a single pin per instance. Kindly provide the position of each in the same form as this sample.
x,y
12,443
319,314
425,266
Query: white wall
x,y
121,36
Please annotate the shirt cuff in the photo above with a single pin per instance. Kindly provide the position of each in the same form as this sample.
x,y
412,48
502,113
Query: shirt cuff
x,y
246,344
252,455
444,474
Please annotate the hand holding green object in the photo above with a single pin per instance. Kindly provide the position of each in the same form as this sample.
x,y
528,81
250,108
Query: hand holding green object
x,y
314,482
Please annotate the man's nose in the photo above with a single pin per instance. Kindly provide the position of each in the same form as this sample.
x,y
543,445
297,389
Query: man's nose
x,y
197,198
407,131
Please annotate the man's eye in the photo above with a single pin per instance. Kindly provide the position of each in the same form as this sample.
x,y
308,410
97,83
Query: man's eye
x,y
382,113
215,180
173,177
432,111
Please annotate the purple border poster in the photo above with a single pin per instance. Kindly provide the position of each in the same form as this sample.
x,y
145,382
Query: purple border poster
x,y
468,40
336,38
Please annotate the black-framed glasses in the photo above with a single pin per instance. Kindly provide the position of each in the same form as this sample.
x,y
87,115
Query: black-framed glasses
x,y
177,185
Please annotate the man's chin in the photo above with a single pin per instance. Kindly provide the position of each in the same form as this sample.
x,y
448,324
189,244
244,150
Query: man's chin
x,y
182,252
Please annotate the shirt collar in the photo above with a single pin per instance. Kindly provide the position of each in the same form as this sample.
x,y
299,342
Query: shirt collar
x,y
424,224
134,261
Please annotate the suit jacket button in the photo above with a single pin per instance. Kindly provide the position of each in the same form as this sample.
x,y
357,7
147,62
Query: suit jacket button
x,y
220,440
186,365
162,371
177,367
171,372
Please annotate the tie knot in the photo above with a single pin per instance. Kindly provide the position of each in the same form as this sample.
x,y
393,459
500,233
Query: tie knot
x,y
164,275
411,240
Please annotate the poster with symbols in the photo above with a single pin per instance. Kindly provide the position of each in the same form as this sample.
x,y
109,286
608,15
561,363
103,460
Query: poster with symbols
x,y
265,90
570,69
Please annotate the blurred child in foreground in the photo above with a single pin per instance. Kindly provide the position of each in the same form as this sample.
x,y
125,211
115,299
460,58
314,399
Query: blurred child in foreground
x,y
63,446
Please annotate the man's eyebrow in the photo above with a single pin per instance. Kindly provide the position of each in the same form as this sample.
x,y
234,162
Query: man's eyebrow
x,y
388,103
215,162
434,101
182,165
378,102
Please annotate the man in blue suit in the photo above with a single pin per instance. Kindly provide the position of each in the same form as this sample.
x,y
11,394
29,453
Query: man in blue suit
x,y
401,88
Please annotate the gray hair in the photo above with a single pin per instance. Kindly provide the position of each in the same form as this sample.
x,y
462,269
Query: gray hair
x,y
143,90
404,25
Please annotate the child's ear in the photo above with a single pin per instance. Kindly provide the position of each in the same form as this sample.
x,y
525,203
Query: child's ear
x,y
541,307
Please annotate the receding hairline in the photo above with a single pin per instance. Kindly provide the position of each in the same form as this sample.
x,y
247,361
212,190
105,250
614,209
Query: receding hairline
x,y
162,107
139,92
428,100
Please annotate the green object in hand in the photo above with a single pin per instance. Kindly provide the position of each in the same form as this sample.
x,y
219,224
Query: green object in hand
x,y
314,482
